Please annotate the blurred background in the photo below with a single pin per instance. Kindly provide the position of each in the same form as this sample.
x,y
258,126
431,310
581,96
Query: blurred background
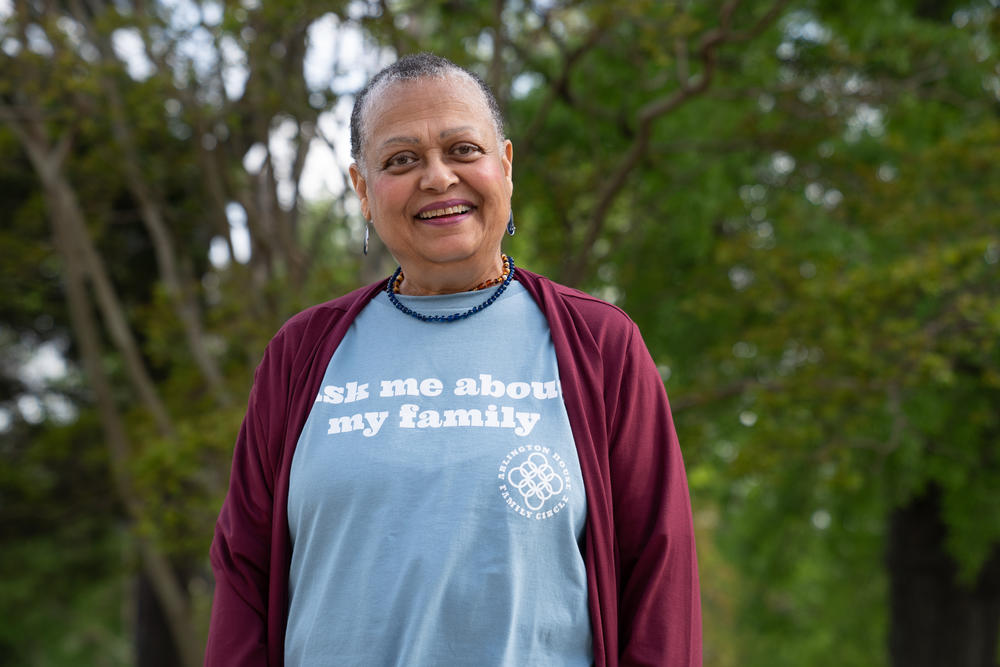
x,y
797,200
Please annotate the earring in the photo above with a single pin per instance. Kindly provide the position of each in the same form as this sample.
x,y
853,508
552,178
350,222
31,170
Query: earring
x,y
364,248
510,224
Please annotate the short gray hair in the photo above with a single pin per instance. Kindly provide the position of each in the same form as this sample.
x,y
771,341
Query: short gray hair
x,y
411,68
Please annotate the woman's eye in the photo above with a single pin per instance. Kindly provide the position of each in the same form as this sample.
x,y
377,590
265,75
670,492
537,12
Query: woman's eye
x,y
400,160
465,150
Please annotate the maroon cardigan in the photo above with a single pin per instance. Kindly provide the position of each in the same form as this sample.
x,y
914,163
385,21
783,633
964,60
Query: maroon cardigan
x,y
642,574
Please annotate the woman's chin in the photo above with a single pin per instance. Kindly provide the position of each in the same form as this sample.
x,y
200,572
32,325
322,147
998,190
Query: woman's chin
x,y
456,251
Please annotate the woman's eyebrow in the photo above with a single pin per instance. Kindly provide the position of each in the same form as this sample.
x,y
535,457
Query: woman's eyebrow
x,y
442,135
455,130
400,140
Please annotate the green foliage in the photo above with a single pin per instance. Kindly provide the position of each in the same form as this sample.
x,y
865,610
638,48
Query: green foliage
x,y
860,334
64,595
65,559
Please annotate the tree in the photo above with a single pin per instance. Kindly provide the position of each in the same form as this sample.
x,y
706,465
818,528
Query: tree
x,y
99,104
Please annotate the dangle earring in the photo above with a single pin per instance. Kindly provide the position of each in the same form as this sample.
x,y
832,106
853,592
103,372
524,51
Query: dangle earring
x,y
364,248
510,224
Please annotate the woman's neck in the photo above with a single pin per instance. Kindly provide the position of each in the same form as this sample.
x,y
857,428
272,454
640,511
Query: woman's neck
x,y
429,283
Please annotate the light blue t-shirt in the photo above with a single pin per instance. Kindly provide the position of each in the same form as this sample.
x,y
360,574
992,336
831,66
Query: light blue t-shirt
x,y
436,505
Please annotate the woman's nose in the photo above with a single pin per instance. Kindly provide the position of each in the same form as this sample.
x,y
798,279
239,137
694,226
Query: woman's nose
x,y
438,176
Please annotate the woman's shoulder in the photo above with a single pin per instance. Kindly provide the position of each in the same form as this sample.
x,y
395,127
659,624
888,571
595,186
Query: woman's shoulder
x,y
317,321
583,308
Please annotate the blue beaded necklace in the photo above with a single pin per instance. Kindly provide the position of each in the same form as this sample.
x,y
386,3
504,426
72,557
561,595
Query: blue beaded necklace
x,y
390,290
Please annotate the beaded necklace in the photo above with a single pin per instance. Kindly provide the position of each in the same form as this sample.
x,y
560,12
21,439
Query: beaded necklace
x,y
508,274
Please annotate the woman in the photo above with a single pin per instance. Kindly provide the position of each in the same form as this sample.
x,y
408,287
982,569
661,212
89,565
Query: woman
x,y
465,464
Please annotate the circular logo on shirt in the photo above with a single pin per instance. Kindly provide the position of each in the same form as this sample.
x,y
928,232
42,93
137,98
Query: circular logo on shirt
x,y
534,482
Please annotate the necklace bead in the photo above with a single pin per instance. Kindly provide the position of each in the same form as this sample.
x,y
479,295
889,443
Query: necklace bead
x,y
391,285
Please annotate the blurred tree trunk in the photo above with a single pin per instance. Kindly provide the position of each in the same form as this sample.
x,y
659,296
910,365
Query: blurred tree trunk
x,y
151,208
935,619
82,264
47,158
154,646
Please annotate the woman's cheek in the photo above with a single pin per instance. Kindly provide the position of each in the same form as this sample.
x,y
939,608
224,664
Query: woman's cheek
x,y
387,196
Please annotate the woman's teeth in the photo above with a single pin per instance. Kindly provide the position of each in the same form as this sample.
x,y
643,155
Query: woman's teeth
x,y
437,213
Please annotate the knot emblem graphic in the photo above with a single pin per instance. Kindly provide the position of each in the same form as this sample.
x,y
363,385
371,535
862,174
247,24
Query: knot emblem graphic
x,y
536,480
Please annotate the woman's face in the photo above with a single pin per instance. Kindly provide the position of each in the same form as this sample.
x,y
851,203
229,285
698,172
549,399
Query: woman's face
x,y
436,182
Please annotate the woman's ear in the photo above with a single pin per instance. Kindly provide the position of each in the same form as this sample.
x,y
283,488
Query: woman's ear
x,y
508,161
361,187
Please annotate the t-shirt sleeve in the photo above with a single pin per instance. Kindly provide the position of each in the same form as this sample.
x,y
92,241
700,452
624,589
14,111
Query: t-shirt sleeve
x,y
660,609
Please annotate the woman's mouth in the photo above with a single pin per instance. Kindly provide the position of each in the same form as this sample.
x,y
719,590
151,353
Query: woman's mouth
x,y
444,214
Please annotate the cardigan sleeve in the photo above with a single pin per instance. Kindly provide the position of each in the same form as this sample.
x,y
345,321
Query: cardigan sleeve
x,y
659,607
251,550
241,548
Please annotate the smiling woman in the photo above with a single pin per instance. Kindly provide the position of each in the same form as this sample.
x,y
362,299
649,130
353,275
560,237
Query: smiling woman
x,y
531,508
436,182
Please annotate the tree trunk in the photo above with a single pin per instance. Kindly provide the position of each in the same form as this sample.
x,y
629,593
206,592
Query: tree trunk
x,y
156,568
65,213
81,265
154,646
935,619
151,212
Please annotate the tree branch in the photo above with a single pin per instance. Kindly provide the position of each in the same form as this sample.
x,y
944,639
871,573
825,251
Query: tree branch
x,y
557,87
151,213
155,564
693,86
